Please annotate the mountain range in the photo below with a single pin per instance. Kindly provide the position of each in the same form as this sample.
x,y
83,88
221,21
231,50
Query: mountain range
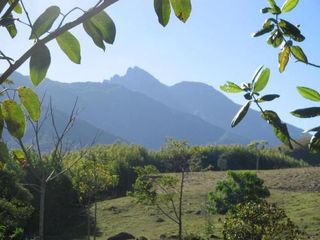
x,y
138,108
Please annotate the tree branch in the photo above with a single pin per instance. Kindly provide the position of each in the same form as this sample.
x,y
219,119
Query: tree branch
x,y
86,16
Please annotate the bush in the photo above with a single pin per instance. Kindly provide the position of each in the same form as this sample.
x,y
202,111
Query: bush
x,y
259,221
239,187
15,206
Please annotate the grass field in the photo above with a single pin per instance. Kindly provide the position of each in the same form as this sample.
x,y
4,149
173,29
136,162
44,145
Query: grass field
x,y
295,190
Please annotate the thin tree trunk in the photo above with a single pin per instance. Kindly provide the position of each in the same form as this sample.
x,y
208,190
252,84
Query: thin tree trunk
x,y
42,208
95,199
180,204
95,219
88,221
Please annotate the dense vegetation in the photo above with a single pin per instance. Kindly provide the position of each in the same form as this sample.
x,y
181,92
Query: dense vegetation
x,y
109,172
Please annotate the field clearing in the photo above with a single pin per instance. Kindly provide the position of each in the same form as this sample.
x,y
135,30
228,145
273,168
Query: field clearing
x,y
295,190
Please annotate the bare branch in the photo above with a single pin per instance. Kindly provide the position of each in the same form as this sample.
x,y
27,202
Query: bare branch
x,y
68,13
167,214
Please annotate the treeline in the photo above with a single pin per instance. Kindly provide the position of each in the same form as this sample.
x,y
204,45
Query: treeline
x,y
107,171
120,159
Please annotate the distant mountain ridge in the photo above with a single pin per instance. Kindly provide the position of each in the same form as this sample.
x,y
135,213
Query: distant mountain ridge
x,y
138,108
203,101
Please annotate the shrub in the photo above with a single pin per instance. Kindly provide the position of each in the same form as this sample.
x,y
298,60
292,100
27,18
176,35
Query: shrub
x,y
259,221
239,187
15,206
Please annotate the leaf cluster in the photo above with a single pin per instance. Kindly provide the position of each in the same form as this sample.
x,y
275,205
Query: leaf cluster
x,y
310,112
181,8
283,34
252,92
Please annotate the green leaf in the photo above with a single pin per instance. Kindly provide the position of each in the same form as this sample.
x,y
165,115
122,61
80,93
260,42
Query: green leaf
x,y
17,8
263,31
39,64
314,144
19,156
261,80
94,33
182,9
272,3
14,118
266,10
268,98
275,39
45,21
8,23
231,87
11,28
70,45
105,25
298,53
271,117
163,10
291,30
307,112
4,152
241,114
309,93
284,58
280,129
31,102
256,73
274,8
289,5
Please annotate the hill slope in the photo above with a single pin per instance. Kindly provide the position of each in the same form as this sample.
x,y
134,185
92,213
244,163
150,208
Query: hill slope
x,y
139,109
202,101
130,115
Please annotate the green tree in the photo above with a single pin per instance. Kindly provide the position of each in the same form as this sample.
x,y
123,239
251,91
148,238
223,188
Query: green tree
x,y
90,177
239,187
165,192
260,221
160,191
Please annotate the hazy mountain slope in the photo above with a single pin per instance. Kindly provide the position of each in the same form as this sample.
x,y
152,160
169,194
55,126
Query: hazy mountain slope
x,y
131,115
83,133
200,100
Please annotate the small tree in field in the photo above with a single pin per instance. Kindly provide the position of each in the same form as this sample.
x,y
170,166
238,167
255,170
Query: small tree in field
x,y
239,187
165,192
160,191
260,221
90,177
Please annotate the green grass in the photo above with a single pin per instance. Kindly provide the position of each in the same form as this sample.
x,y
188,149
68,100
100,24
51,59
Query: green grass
x,y
295,190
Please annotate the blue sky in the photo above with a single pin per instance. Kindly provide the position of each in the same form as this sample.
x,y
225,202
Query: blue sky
x,y
213,47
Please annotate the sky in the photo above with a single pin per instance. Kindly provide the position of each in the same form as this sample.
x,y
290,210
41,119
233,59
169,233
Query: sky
x,y
214,46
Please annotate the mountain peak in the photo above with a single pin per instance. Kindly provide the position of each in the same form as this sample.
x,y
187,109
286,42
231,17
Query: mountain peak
x,y
137,79
135,70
